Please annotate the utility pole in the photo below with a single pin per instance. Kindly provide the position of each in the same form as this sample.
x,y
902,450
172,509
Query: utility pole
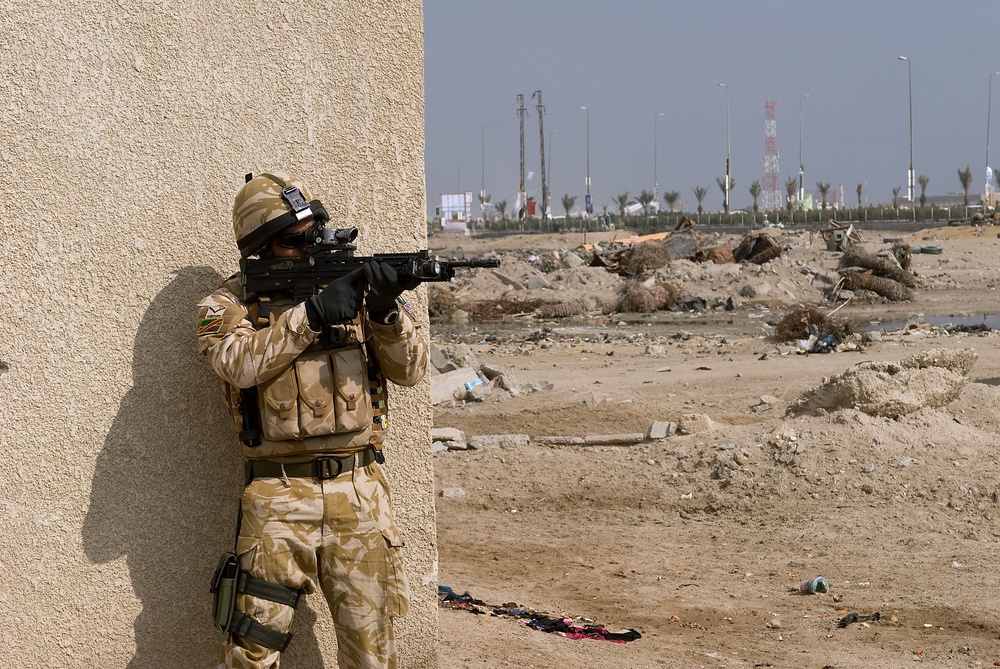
x,y
988,190
728,150
482,154
521,200
541,141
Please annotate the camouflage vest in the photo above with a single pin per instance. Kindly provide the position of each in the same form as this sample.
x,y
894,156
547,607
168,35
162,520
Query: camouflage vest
x,y
330,401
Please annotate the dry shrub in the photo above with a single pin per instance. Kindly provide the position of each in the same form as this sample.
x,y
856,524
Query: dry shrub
x,y
880,267
563,309
887,288
441,303
642,258
901,252
637,298
800,323
796,324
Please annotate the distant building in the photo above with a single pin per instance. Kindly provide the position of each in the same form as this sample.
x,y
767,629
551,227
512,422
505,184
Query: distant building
x,y
454,211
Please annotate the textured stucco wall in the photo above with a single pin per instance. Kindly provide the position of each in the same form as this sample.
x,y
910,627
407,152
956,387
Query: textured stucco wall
x,y
125,132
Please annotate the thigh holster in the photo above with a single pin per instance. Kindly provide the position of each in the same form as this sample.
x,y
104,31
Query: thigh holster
x,y
228,582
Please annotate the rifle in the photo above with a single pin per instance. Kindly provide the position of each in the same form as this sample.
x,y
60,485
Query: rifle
x,y
330,255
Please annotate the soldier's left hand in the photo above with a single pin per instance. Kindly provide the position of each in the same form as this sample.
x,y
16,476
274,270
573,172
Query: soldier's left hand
x,y
384,286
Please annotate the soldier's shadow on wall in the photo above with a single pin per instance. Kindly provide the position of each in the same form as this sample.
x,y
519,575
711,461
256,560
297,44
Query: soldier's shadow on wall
x,y
166,489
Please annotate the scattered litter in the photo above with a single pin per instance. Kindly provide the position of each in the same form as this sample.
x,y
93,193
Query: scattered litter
x,y
852,618
815,586
569,627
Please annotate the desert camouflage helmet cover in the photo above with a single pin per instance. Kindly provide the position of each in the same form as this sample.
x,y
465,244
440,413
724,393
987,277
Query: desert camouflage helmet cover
x,y
266,205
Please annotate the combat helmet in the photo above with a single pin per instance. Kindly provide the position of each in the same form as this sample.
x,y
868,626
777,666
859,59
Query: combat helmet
x,y
267,204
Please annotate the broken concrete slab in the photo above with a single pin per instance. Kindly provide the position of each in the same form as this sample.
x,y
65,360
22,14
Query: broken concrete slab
x,y
559,441
440,361
662,429
447,434
478,393
482,441
504,377
613,439
451,385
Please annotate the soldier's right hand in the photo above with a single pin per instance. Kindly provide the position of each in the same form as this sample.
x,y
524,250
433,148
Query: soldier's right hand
x,y
339,302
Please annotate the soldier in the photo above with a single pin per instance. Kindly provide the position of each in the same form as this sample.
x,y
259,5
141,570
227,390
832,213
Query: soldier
x,y
305,384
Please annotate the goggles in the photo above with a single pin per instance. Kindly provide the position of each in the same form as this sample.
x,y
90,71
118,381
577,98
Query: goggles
x,y
292,241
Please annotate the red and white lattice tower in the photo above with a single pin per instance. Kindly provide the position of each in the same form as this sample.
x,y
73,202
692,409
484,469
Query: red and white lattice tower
x,y
771,190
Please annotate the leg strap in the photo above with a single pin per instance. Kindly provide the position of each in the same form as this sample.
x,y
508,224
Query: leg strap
x,y
248,628
266,590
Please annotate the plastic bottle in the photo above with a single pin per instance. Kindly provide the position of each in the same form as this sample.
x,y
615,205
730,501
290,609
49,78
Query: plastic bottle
x,y
469,385
816,586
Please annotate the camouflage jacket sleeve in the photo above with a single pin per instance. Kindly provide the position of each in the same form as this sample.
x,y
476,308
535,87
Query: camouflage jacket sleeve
x,y
402,349
241,355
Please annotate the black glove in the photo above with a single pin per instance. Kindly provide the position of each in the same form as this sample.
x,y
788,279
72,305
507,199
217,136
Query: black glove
x,y
384,286
339,302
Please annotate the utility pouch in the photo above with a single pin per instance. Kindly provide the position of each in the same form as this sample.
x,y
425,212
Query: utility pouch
x,y
224,588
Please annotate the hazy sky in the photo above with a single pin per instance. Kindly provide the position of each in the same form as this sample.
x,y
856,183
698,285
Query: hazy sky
x,y
629,60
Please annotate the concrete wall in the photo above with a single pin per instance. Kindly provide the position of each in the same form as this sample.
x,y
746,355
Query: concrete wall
x,y
125,132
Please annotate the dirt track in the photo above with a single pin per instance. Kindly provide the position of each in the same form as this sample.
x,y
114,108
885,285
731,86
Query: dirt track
x,y
700,541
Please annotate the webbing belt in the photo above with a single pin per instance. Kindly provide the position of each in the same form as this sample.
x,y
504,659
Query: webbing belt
x,y
321,468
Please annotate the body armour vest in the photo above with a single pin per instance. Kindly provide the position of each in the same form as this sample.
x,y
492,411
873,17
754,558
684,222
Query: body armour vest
x,y
329,401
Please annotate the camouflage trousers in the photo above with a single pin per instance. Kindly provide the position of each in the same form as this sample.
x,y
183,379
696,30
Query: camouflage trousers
x,y
337,534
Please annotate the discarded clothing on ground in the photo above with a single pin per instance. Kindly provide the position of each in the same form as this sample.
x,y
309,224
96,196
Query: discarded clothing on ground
x,y
572,628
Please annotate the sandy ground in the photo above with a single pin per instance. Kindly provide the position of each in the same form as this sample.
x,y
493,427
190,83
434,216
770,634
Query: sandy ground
x,y
700,541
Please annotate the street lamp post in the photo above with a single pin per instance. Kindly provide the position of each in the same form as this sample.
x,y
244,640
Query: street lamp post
x,y
909,176
988,190
728,149
588,204
656,181
802,169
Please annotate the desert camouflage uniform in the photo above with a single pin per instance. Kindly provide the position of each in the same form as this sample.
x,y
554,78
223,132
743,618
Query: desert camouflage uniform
x,y
303,532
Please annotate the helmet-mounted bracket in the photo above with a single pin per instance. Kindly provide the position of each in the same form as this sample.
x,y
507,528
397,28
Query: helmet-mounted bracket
x,y
297,202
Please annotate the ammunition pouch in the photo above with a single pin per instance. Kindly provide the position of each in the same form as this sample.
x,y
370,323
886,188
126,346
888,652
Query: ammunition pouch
x,y
229,581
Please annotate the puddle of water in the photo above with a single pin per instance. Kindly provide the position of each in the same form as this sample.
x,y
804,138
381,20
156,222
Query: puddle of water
x,y
992,321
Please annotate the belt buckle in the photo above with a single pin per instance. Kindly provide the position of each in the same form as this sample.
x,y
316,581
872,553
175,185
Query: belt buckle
x,y
328,468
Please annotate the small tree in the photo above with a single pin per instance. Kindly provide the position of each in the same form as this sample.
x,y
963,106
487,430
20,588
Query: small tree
x,y
860,188
791,187
645,198
671,198
699,194
502,208
567,202
622,201
965,177
755,193
722,186
824,189
895,197
923,180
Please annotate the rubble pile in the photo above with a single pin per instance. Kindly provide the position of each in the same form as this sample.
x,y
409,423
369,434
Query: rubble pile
x,y
459,377
889,389
681,271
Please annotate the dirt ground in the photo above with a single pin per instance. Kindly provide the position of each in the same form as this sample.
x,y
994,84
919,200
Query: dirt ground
x,y
700,541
